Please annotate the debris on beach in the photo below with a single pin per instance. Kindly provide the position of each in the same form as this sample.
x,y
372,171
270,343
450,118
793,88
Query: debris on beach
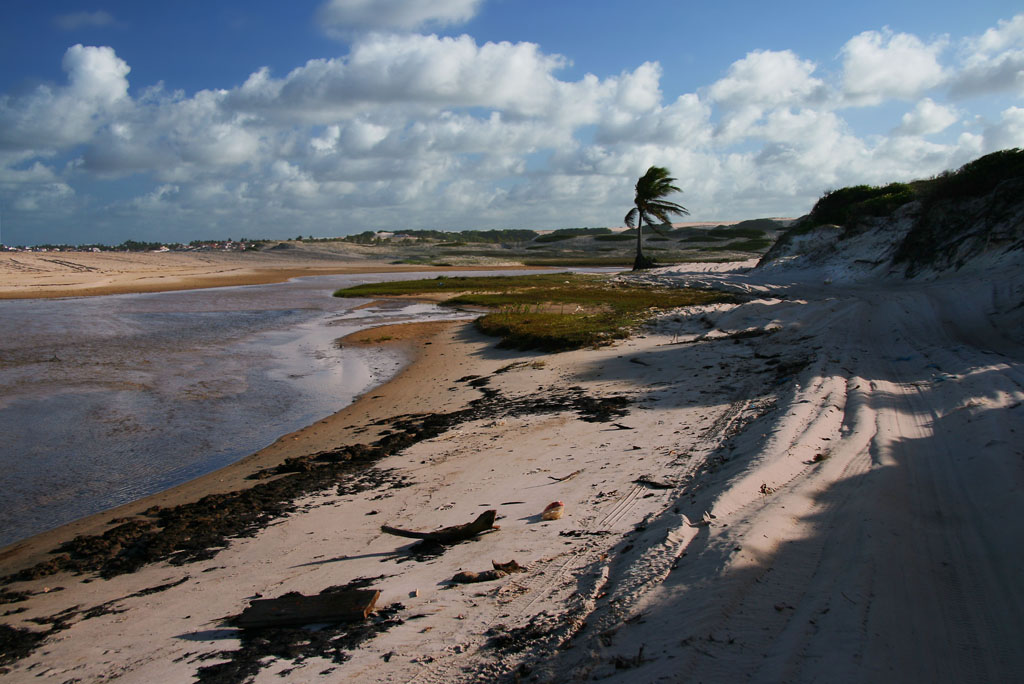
x,y
450,535
705,520
500,570
653,484
295,609
553,511
469,577
509,567
264,647
567,477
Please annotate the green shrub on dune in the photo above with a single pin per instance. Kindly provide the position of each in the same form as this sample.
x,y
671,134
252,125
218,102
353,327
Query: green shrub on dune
x,y
843,206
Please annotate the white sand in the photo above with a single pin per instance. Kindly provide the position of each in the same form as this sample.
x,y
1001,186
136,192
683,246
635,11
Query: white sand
x,y
862,468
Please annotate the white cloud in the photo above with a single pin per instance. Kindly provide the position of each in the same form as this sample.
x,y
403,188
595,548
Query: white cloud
x,y
177,139
77,20
292,180
766,78
425,71
96,74
639,91
49,118
421,130
1004,35
344,17
760,82
1004,72
1007,133
687,122
157,200
881,65
927,118
993,62
30,185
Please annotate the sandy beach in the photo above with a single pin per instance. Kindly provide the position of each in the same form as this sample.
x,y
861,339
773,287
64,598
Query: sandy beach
x,y
79,274
821,483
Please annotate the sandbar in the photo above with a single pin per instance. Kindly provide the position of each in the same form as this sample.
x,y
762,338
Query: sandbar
x,y
25,275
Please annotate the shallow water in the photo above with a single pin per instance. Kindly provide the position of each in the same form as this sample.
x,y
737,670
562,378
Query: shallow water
x,y
104,400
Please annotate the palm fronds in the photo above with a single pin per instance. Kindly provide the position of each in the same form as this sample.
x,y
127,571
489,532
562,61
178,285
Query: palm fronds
x,y
650,206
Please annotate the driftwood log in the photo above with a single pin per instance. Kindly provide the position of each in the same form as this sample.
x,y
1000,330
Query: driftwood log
x,y
296,609
500,570
449,535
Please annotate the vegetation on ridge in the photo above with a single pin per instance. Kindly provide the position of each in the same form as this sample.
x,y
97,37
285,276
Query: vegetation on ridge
x,y
846,206
843,206
957,213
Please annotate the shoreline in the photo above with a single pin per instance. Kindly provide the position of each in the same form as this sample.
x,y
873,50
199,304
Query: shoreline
x,y
138,280
414,339
112,273
30,275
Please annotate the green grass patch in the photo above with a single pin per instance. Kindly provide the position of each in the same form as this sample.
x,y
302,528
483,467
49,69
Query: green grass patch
x,y
566,233
704,238
550,311
764,224
451,284
616,237
554,237
736,232
579,261
752,245
554,332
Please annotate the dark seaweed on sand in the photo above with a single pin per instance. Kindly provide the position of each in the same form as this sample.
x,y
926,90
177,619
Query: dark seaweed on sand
x,y
200,529
16,643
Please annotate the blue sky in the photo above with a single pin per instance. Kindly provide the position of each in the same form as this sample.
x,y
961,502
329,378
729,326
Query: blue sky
x,y
187,120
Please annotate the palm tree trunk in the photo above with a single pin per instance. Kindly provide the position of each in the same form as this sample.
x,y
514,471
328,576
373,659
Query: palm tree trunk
x,y
641,262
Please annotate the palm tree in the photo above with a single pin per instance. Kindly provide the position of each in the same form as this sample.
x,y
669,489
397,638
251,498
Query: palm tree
x,y
649,204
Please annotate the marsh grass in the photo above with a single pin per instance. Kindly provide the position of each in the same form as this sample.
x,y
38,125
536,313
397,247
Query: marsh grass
x,y
551,311
568,261
454,285
625,261
751,245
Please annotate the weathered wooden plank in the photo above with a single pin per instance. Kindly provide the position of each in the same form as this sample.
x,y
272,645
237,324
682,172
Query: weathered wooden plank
x,y
297,609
